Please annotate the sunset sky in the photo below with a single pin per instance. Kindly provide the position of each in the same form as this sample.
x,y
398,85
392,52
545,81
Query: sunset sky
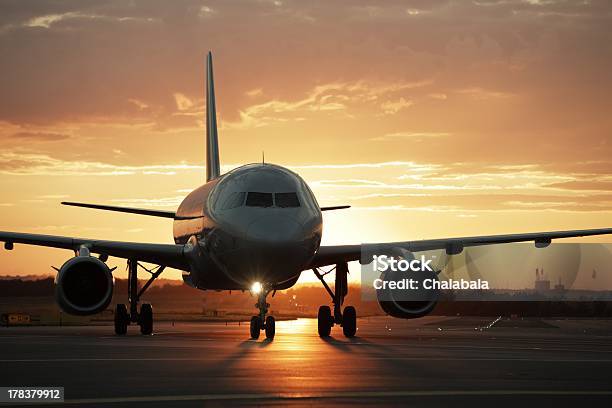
x,y
431,118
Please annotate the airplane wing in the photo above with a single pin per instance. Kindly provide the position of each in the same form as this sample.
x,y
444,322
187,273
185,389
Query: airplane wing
x,y
327,255
170,255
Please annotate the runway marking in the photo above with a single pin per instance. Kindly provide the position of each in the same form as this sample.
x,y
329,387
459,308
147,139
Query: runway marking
x,y
334,342
436,347
77,360
334,395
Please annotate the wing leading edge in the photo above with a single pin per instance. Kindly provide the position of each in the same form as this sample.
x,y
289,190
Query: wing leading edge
x,y
170,255
328,255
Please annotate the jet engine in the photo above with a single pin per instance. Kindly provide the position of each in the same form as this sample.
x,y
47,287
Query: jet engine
x,y
408,304
84,286
397,306
404,309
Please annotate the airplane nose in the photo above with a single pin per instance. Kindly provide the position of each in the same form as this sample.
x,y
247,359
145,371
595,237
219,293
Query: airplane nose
x,y
275,230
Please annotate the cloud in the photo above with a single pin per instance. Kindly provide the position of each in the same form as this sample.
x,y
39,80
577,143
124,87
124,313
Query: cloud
x,y
138,103
40,136
392,107
254,92
53,196
183,103
484,94
206,12
409,135
412,166
461,186
162,202
371,184
378,185
332,97
32,164
591,184
439,96
46,21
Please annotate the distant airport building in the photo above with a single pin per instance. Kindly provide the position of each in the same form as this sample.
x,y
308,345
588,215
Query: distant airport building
x,y
213,312
559,287
541,283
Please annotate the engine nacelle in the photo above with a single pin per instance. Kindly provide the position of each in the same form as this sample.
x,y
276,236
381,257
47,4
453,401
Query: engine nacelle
x,y
410,304
84,286
404,309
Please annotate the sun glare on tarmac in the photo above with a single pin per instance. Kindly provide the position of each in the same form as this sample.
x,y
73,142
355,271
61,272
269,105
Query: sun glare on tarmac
x,y
297,326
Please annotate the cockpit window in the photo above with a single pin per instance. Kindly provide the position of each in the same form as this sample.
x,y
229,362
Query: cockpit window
x,y
255,199
234,200
286,200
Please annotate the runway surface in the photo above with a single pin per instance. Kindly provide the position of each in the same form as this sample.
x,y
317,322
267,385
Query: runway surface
x,y
434,361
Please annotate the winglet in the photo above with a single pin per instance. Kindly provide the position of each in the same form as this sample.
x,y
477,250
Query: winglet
x,y
212,143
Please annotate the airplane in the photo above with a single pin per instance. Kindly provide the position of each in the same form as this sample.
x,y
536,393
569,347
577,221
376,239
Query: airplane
x,y
256,228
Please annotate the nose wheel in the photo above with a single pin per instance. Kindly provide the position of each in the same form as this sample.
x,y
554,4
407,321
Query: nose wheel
x,y
255,327
270,327
261,322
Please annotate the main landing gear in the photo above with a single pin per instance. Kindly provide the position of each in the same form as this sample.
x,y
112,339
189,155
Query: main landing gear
x,y
261,322
145,318
348,319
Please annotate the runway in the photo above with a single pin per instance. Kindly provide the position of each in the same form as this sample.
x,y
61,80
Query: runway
x,y
434,361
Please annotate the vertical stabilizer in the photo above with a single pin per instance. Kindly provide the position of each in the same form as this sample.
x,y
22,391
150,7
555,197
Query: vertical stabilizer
x,y
212,142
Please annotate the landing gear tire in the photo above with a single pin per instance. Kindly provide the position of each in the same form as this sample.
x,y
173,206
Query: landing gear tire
x,y
146,319
255,327
325,321
122,319
349,321
270,327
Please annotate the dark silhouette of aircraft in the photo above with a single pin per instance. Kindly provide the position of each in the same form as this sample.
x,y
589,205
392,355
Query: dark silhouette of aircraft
x,y
257,227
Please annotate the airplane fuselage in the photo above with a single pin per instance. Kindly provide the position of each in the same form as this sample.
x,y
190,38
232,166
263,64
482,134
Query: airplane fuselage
x,y
257,223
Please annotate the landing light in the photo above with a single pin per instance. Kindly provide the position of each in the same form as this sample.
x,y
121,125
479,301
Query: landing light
x,y
256,288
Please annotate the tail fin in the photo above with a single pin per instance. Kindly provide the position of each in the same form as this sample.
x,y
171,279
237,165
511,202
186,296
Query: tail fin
x,y
212,142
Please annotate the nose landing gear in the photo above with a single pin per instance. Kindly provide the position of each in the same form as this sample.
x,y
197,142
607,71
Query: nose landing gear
x,y
261,322
325,319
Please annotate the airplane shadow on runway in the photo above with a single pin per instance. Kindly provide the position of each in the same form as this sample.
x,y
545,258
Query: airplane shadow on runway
x,y
357,344
347,344
255,344
244,348
381,354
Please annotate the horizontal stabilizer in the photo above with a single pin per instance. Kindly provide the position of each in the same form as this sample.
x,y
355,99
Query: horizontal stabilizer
x,y
140,211
337,207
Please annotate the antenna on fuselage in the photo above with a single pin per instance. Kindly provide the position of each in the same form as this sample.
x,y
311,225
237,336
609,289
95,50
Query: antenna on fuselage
x,y
212,142
263,157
